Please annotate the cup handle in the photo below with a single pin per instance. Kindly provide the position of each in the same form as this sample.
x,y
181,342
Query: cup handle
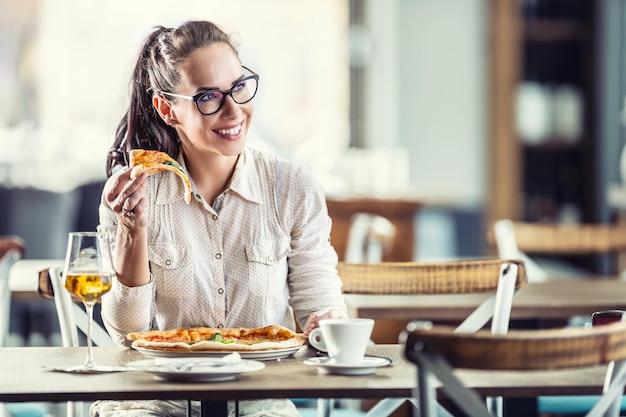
x,y
316,340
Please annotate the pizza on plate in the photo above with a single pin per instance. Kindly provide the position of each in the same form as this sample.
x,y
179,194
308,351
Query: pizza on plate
x,y
218,339
151,162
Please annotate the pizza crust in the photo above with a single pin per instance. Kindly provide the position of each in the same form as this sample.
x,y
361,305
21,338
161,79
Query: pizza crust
x,y
271,337
206,346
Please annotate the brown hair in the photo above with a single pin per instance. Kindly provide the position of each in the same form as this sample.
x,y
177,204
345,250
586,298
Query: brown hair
x,y
158,69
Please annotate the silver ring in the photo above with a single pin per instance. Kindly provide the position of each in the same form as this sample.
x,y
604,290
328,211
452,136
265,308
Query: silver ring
x,y
130,213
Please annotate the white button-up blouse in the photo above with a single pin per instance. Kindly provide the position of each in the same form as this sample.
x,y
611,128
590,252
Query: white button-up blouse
x,y
260,254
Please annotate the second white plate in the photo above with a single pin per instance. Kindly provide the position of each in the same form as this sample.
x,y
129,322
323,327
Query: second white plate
x,y
197,373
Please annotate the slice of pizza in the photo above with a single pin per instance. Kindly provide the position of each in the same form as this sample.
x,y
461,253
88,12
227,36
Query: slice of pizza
x,y
218,339
151,162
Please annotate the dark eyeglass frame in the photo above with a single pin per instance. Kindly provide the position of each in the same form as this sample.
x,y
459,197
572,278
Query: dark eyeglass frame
x,y
225,93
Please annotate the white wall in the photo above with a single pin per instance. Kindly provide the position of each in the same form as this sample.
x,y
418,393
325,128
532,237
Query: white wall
x,y
442,97
426,75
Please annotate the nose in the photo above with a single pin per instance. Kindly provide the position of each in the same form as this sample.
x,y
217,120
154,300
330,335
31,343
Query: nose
x,y
229,106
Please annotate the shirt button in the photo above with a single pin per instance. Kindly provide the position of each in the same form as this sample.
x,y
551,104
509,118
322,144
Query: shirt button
x,y
218,256
220,291
214,217
219,326
168,262
198,197
270,259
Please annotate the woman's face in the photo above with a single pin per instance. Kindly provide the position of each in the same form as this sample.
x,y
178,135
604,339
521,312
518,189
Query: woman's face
x,y
223,133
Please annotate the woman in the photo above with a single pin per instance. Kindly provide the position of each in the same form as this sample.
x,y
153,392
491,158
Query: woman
x,y
251,249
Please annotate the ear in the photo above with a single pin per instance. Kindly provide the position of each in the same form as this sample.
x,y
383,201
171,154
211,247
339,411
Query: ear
x,y
164,109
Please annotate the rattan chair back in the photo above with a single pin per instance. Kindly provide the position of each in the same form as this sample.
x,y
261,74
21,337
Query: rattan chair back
x,y
566,239
526,349
453,277
527,240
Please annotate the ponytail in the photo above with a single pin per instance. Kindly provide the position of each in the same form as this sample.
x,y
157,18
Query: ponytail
x,y
141,126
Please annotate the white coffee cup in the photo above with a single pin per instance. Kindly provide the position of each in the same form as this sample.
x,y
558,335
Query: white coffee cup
x,y
345,340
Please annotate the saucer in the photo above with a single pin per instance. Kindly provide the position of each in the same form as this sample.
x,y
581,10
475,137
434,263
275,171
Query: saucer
x,y
367,366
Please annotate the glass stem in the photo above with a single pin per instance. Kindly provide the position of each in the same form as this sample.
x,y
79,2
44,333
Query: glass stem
x,y
89,309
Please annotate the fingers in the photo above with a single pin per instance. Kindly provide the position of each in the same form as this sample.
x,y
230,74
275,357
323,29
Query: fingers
x,y
312,323
315,317
125,195
133,206
132,194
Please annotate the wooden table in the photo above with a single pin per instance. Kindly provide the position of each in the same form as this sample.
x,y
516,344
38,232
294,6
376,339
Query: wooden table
x,y
24,379
550,300
554,299
400,212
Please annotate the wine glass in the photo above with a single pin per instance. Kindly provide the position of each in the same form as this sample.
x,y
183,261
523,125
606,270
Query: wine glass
x,y
88,273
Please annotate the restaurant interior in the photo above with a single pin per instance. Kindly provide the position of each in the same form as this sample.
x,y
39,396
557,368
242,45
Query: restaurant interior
x,y
426,121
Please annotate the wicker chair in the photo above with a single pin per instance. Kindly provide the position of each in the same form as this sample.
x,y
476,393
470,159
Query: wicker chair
x,y
567,239
499,277
437,350
524,239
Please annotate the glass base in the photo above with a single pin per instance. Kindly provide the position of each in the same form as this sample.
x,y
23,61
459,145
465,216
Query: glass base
x,y
83,369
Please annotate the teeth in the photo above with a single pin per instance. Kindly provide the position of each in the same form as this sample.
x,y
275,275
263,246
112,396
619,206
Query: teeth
x,y
230,132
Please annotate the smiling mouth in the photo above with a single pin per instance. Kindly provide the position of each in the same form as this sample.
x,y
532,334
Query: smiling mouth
x,y
230,132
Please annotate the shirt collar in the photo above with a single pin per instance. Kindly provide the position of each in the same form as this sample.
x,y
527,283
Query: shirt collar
x,y
245,181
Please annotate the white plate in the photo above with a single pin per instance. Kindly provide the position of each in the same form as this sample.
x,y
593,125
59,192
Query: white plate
x,y
251,354
197,373
326,365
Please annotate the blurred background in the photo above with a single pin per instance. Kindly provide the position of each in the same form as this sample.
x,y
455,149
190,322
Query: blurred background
x,y
378,98
442,116
467,110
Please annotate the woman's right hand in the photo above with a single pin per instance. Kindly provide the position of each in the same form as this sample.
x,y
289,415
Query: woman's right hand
x,y
126,197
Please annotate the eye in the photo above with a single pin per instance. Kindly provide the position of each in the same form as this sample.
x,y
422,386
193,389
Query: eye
x,y
241,85
210,96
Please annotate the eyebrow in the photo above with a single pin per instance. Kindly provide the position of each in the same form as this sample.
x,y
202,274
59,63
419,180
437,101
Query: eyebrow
x,y
206,89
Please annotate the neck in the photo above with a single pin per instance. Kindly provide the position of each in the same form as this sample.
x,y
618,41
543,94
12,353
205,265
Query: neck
x,y
211,173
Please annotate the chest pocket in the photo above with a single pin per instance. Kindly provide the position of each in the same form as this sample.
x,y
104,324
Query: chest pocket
x,y
267,267
172,272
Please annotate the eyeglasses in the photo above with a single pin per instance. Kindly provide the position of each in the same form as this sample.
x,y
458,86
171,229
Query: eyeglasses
x,y
211,101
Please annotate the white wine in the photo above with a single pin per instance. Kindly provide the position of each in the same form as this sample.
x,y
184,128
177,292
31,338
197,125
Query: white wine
x,y
90,286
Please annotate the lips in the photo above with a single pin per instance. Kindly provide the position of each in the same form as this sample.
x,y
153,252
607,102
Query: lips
x,y
230,132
